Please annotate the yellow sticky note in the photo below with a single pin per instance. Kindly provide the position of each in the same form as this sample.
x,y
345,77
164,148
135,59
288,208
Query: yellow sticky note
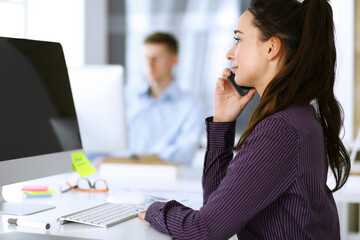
x,y
82,164
39,193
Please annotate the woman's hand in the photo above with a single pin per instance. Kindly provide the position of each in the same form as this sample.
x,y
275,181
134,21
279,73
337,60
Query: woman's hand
x,y
142,216
228,103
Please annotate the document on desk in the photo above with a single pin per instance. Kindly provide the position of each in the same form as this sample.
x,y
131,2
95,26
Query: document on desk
x,y
190,199
141,169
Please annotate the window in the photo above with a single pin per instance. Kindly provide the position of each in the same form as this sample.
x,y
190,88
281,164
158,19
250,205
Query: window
x,y
12,18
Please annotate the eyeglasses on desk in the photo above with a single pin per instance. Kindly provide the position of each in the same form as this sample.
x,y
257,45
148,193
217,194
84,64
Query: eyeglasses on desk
x,y
85,185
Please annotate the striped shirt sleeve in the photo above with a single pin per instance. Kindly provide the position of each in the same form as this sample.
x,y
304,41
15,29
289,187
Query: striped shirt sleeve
x,y
219,152
235,190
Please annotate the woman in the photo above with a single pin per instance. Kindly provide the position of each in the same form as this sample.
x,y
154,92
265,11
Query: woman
x,y
275,186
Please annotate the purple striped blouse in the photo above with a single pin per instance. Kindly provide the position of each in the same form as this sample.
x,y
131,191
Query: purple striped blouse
x,y
274,188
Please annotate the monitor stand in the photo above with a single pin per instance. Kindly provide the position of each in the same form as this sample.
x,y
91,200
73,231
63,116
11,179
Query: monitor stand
x,y
20,209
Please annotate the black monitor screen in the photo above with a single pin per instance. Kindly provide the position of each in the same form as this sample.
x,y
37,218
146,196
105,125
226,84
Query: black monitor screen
x,y
37,109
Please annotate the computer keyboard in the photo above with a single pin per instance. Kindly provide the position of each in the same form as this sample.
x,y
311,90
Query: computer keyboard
x,y
104,215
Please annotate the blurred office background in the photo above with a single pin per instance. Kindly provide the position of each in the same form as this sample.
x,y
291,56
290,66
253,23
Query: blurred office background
x,y
112,31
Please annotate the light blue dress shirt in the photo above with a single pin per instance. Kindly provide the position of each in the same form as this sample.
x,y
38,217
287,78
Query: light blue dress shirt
x,y
169,126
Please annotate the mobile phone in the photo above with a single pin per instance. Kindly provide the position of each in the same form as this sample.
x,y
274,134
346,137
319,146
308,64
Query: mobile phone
x,y
241,90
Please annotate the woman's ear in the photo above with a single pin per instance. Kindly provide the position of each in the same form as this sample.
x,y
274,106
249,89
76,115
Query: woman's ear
x,y
274,48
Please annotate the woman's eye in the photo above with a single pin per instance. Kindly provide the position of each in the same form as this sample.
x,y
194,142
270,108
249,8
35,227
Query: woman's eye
x,y
237,40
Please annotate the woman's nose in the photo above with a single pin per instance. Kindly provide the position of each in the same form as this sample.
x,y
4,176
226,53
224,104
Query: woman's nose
x,y
230,54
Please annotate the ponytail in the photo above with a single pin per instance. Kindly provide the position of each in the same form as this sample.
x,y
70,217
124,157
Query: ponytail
x,y
329,111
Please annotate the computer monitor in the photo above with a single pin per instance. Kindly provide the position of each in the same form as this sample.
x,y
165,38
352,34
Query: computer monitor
x,y
98,92
39,129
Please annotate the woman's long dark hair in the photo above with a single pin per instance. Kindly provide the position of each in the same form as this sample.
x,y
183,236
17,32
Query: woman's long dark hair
x,y
306,31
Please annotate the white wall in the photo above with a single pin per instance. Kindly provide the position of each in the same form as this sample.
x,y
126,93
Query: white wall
x,y
59,21
12,17
344,88
80,26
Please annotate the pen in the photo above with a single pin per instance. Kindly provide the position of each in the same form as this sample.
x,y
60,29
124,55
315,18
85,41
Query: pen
x,y
28,223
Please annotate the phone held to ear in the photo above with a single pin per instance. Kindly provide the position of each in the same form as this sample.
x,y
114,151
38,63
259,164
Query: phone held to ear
x,y
241,90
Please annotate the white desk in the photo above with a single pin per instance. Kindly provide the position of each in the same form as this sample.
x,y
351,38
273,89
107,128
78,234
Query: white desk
x,y
73,201
135,228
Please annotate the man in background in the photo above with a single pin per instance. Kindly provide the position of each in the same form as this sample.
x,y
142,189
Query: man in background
x,y
164,122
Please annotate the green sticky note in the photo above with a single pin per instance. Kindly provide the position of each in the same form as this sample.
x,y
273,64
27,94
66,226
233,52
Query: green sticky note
x,y
82,164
